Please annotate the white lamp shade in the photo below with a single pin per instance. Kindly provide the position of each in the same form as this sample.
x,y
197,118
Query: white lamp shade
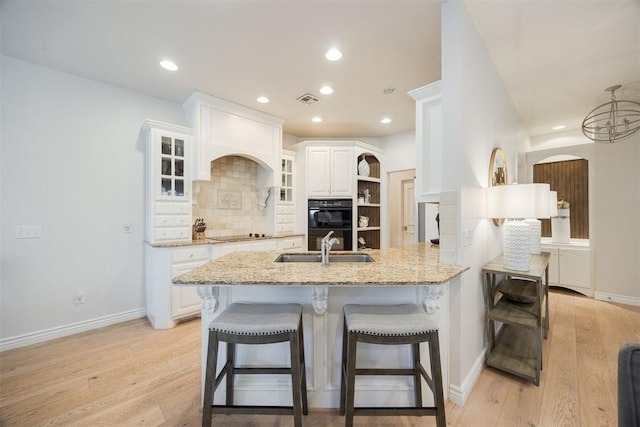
x,y
518,201
543,209
553,203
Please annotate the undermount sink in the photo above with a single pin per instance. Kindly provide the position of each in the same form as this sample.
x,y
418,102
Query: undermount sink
x,y
318,258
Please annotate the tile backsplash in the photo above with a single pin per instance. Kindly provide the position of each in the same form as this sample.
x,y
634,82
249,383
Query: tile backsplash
x,y
229,202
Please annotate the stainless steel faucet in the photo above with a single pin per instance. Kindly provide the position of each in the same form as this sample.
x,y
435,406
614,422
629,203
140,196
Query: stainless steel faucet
x,y
327,242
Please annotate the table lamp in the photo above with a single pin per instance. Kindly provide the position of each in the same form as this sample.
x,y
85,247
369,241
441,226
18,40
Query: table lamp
x,y
517,201
543,210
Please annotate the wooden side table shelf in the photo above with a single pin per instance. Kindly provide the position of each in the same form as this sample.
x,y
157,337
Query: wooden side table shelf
x,y
516,298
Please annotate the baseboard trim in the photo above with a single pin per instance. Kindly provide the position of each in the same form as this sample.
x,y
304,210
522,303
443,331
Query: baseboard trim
x,y
459,394
70,329
620,299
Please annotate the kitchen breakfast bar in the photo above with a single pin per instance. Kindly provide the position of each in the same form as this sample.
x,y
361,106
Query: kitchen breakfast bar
x,y
410,274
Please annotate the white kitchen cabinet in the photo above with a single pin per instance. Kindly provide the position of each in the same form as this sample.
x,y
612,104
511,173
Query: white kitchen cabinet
x,y
222,249
166,302
287,178
330,171
285,218
428,142
168,184
291,244
570,267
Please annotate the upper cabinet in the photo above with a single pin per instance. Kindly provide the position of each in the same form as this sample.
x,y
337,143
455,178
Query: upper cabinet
x,y
222,128
428,141
286,208
330,171
287,175
168,182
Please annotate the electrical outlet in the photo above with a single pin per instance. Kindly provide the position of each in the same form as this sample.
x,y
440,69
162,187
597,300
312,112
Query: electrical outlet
x,y
127,228
81,297
28,231
468,237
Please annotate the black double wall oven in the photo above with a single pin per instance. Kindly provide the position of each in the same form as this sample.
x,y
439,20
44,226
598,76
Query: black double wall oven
x,y
326,215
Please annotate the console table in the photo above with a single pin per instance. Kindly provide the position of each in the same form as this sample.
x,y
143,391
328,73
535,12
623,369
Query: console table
x,y
516,299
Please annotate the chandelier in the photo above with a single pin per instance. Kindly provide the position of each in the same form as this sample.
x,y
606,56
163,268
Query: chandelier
x,y
612,121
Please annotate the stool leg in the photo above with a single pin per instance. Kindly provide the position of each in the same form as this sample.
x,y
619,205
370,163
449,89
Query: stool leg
x,y
436,375
417,375
210,378
351,378
295,378
303,381
343,367
231,363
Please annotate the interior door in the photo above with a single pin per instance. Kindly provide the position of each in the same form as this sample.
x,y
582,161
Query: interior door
x,y
408,217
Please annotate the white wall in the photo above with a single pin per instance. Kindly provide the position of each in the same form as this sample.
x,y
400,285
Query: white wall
x,y
614,208
617,216
399,151
72,162
478,115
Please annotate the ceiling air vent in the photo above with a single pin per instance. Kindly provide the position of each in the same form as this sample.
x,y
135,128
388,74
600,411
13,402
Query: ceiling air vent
x,y
308,99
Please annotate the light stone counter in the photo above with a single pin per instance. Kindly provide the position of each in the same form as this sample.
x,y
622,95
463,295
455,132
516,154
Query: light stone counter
x,y
222,239
410,265
398,275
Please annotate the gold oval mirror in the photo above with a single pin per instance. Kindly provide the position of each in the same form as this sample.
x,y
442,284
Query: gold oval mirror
x,y
498,173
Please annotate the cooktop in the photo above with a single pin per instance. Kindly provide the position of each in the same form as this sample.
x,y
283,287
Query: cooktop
x,y
241,237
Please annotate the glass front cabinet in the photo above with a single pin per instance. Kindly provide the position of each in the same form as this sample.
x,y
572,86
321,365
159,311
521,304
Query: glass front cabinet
x,y
286,186
168,183
172,160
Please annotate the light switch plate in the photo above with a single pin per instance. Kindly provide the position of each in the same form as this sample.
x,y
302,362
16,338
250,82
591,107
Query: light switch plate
x,y
28,231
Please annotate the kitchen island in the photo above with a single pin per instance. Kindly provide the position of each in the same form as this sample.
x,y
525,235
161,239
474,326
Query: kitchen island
x,y
397,275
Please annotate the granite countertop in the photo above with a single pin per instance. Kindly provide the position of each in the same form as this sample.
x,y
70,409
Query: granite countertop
x,y
223,239
410,265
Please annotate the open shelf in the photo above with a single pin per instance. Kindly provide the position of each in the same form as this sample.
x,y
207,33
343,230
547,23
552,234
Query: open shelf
x,y
370,184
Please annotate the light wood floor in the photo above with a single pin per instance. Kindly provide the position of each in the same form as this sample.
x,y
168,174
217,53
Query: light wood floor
x,y
131,375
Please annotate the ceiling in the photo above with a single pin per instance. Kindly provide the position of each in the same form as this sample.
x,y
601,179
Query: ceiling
x,y
555,58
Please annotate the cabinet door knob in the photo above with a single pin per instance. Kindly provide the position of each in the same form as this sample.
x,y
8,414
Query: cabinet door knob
x,y
404,228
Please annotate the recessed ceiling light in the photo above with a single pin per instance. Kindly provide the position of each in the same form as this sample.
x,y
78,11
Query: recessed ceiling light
x,y
316,119
262,99
385,120
559,127
169,65
333,54
326,90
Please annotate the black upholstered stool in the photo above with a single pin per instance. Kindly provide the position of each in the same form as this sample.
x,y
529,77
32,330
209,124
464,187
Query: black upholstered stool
x,y
390,325
255,324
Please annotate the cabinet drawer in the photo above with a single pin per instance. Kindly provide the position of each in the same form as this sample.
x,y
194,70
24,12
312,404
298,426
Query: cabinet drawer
x,y
285,228
163,208
286,219
200,253
182,233
286,210
182,208
289,244
182,221
164,220
169,234
163,234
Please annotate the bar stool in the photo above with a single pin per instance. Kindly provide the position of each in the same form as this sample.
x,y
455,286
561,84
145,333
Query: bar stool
x,y
390,325
244,323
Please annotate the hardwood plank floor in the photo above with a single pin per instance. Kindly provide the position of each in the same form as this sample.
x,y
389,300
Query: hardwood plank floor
x,y
131,375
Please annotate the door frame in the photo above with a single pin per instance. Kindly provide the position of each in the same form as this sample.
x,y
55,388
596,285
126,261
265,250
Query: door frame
x,y
394,199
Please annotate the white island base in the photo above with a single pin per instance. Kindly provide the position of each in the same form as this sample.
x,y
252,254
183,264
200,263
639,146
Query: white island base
x,y
322,319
